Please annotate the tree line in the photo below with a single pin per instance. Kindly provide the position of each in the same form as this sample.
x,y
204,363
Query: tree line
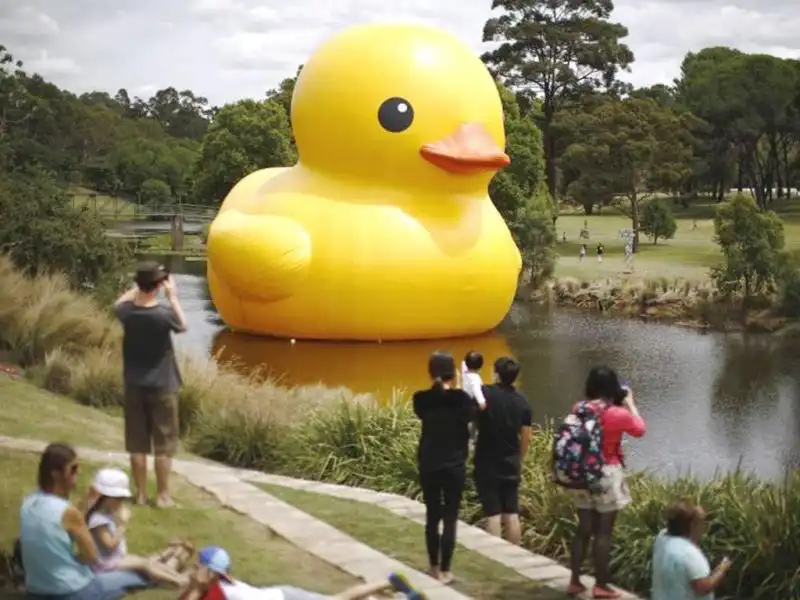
x,y
576,133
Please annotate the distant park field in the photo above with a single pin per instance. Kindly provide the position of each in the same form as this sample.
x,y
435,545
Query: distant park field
x,y
687,256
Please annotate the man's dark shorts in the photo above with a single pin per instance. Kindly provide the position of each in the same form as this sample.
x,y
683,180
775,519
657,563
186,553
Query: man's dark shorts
x,y
497,495
151,421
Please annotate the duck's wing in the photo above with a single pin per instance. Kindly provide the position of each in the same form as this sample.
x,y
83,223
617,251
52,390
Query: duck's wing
x,y
262,257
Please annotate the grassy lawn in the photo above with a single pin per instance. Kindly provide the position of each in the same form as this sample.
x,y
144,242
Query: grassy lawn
x,y
29,412
259,557
687,256
403,540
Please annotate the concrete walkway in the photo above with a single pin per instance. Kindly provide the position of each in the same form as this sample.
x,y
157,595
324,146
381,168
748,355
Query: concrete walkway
x,y
234,489
535,567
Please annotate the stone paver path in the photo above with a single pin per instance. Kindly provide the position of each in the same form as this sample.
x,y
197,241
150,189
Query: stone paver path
x,y
302,530
533,566
232,489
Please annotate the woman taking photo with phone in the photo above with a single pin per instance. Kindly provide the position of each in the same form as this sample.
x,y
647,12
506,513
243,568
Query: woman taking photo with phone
x,y
445,413
617,414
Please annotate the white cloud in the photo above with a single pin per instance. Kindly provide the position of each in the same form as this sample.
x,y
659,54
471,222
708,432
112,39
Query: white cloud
x,y
27,22
48,65
229,49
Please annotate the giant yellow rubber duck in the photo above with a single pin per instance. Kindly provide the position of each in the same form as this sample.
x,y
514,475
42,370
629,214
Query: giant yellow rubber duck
x,y
384,230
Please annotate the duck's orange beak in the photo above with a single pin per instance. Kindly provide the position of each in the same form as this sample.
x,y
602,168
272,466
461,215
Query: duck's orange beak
x,y
470,149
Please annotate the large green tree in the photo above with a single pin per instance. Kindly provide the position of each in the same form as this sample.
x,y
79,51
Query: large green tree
x,y
243,137
519,191
750,104
752,242
629,149
559,51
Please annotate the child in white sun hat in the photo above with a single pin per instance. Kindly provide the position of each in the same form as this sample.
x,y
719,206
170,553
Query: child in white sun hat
x,y
107,518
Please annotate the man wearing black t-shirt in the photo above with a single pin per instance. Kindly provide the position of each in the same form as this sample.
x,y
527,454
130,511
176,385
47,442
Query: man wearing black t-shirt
x,y
504,431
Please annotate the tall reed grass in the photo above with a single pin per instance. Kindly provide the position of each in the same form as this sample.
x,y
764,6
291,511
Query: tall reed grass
x,y
71,347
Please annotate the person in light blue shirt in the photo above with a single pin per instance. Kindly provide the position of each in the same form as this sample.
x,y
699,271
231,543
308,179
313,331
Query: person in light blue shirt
x,y
50,525
680,569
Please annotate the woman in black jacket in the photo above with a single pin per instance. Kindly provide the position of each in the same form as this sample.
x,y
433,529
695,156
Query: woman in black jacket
x,y
445,413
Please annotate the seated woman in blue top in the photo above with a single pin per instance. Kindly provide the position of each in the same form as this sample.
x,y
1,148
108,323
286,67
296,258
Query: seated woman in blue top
x,y
680,569
50,526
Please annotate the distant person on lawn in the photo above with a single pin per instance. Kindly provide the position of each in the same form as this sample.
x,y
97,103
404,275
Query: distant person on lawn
x,y
152,378
504,432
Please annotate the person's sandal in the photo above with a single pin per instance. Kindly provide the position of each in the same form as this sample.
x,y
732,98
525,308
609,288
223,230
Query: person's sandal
x,y
601,592
575,589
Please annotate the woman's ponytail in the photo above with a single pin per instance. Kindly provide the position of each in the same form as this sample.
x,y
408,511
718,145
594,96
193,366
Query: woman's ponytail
x,y
438,383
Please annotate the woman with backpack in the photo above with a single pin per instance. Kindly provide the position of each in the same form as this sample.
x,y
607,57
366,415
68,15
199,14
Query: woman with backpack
x,y
594,471
446,413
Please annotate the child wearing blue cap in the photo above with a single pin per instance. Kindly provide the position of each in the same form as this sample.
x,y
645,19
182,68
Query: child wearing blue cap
x,y
211,580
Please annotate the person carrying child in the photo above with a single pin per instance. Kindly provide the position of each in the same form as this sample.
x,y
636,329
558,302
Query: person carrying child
x,y
107,518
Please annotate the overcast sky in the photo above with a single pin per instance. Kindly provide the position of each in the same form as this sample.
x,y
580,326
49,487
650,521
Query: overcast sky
x,y
230,49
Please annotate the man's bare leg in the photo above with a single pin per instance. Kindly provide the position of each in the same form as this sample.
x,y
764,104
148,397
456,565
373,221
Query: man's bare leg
x,y
163,466
513,528
493,526
362,591
139,471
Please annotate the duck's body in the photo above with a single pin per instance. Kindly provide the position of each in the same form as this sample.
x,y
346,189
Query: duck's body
x,y
329,249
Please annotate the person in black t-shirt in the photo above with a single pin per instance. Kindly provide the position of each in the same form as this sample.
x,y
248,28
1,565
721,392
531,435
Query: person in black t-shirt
x,y
442,456
504,431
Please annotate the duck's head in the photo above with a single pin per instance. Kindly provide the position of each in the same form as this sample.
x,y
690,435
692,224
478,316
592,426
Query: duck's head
x,y
400,105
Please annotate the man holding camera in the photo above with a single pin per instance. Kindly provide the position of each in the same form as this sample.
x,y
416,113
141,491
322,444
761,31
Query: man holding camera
x,y
151,375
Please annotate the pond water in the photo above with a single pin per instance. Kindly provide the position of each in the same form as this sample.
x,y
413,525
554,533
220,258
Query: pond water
x,y
713,402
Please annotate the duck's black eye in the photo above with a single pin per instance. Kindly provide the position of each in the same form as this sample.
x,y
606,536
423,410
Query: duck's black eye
x,y
396,115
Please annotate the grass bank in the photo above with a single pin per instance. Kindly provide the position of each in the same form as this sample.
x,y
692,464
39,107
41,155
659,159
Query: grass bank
x,y
668,281
259,556
678,301
71,347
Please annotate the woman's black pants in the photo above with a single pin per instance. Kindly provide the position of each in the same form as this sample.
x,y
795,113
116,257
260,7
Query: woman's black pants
x,y
441,492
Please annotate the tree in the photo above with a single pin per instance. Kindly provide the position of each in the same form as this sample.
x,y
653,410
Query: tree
x,y
243,137
41,232
750,103
519,191
558,50
658,221
751,242
630,149
155,192
284,92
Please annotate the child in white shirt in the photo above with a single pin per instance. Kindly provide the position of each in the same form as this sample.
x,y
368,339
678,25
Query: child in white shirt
x,y
471,378
107,519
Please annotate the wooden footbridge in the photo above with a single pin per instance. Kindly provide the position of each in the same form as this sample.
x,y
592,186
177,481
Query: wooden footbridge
x,y
177,214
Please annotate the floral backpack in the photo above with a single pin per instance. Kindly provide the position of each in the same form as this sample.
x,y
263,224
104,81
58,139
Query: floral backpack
x,y
578,447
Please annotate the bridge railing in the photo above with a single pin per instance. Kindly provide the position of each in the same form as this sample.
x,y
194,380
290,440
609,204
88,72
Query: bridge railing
x,y
117,208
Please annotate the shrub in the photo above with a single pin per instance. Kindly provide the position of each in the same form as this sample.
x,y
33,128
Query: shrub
x,y
41,314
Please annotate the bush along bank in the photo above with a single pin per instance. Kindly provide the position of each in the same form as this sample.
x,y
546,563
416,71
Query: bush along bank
x,y
71,346
677,301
